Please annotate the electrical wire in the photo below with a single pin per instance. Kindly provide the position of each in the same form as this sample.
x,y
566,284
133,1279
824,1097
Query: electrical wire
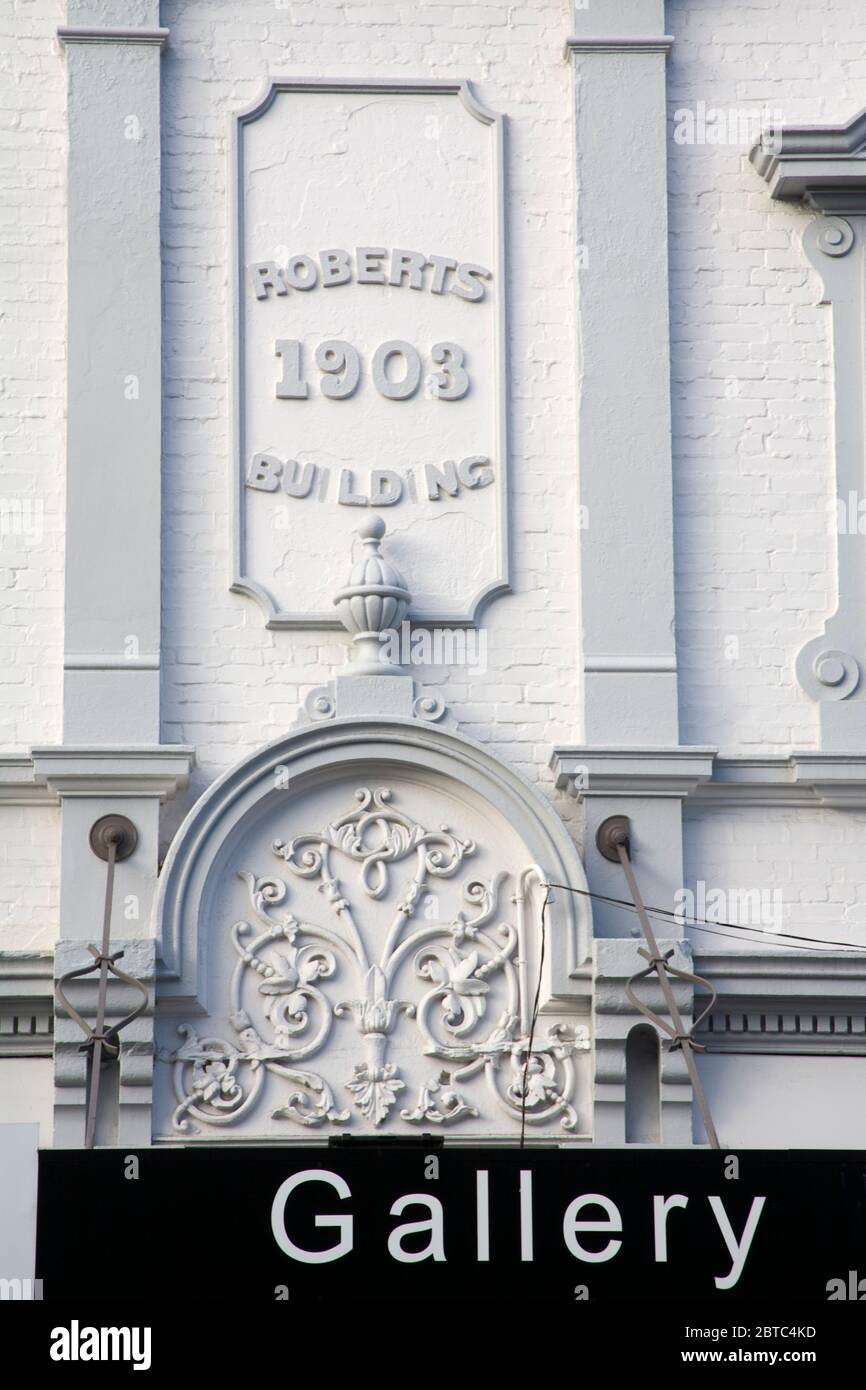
x,y
664,914
535,1007
729,930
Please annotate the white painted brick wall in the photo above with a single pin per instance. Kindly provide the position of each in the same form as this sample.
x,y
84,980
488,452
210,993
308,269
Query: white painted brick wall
x,y
752,376
32,371
229,684
813,857
29,886
32,434
752,401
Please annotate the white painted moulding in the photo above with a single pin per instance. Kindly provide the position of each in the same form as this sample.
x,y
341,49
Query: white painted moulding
x,y
800,779
832,976
365,748
242,581
19,786
593,771
103,661
26,1003
630,663
68,33
825,165
122,770
661,43
788,1001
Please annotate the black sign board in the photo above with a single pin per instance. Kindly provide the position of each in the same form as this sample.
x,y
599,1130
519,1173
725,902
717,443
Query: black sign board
x,y
419,1224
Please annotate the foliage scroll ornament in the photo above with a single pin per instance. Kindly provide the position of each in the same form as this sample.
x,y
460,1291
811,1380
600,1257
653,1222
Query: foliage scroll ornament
x,y
284,1009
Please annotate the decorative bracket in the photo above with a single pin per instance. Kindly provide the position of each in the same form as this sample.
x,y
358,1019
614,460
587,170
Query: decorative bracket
x,y
825,168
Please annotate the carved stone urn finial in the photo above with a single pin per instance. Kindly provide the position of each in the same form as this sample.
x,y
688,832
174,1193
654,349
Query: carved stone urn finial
x,y
373,604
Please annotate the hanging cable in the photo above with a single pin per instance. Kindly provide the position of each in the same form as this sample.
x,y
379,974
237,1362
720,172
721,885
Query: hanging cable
x,y
535,1006
703,924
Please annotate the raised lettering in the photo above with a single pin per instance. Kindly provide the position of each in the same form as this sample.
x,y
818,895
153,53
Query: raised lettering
x,y
467,282
336,267
266,275
264,472
409,263
368,259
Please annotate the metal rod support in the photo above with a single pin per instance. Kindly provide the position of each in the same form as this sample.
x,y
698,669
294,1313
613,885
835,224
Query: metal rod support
x,y
95,1058
613,842
111,838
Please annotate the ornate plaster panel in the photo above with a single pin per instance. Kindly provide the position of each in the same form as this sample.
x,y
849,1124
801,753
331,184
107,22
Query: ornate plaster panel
x,y
363,907
369,349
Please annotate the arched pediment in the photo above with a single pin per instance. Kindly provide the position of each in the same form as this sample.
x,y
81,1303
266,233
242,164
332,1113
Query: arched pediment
x,y
356,932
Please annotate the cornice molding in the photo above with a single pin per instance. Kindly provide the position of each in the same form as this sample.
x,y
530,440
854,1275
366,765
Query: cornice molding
x,y
159,770
661,43
26,973
787,973
801,779
668,772
824,166
790,1002
630,663
26,1003
69,33
19,786
103,661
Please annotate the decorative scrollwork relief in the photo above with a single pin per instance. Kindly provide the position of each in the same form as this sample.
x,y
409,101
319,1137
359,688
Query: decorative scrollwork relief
x,y
296,980
430,705
835,236
437,1104
320,703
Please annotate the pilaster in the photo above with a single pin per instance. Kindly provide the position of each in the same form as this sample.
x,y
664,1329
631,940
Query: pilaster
x,y
630,761
618,55
111,760
112,618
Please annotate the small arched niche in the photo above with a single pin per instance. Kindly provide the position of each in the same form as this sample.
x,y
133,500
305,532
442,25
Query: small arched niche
x,y
642,1086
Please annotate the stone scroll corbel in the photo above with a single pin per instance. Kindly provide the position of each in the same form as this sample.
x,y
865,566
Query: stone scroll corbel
x,y
830,665
825,168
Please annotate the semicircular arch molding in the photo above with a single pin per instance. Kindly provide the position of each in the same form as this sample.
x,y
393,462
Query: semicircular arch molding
x,y
356,920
